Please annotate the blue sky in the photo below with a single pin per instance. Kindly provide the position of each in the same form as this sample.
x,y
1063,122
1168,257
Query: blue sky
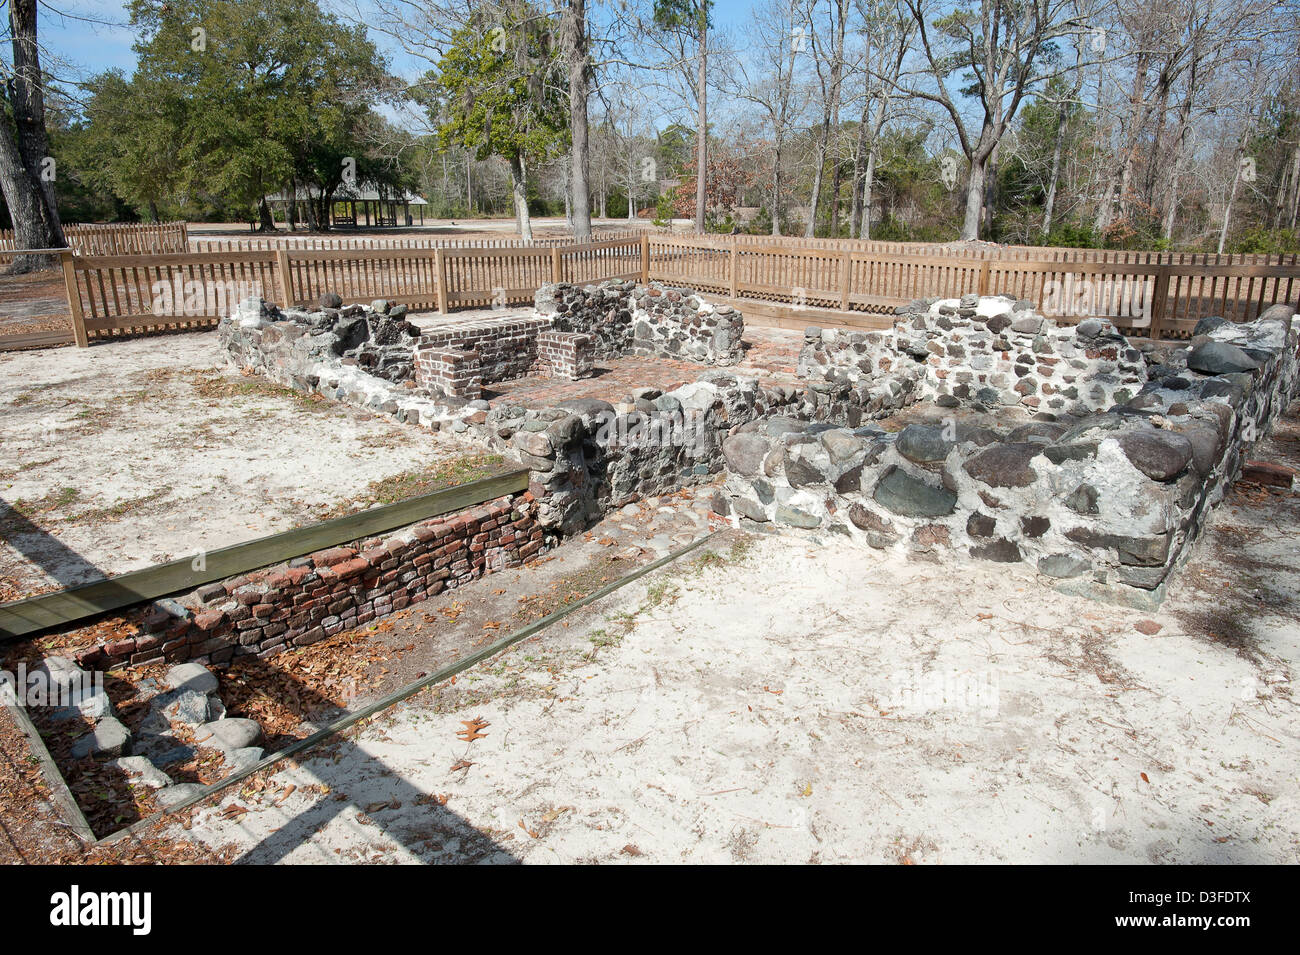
x,y
95,36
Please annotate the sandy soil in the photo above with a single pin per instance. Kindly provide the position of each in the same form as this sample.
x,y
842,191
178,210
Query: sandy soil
x,y
136,452
796,698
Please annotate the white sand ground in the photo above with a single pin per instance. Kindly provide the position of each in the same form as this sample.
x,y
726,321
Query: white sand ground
x,y
811,700
136,452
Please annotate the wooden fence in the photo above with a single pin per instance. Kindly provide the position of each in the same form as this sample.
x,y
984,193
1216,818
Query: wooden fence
x,y
116,295
114,239
1156,298
112,295
201,243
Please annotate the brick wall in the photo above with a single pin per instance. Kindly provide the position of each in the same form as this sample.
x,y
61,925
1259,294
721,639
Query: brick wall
x,y
507,347
455,371
312,597
565,355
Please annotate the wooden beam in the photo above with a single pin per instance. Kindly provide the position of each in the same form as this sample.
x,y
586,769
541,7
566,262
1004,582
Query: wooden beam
x,y
74,300
63,607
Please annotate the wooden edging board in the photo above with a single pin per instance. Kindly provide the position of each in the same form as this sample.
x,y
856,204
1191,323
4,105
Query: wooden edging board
x,y
21,617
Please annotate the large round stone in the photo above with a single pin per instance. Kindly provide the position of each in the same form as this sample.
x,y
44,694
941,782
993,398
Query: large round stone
x,y
911,497
1219,358
1160,455
745,452
1005,465
922,444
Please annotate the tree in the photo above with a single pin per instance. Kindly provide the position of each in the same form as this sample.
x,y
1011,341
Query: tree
x,y
1005,48
502,99
687,22
26,170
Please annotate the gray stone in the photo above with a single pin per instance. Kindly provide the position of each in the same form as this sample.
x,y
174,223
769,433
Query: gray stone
x,y
744,452
1083,499
184,706
242,758
1277,313
331,300
806,464
910,497
228,734
1004,465
140,770
922,444
110,737
1220,358
1063,566
1000,550
795,517
747,508
1160,455
191,676
1208,324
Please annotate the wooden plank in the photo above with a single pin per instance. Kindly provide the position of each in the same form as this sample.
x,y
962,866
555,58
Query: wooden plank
x,y
21,617
48,339
74,300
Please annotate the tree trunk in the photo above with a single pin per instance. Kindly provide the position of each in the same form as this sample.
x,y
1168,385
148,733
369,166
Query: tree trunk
x,y
264,221
1232,197
776,188
25,148
970,228
519,193
1049,207
575,44
702,130
868,179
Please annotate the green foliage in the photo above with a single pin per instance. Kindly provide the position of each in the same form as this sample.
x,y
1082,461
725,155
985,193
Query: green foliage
x,y
501,102
268,91
1262,240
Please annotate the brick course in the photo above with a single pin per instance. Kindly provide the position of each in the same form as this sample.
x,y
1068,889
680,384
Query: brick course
x,y
310,598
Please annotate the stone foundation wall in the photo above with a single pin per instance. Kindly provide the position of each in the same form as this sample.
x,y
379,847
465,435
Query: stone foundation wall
x,y
1105,504
981,353
624,318
307,599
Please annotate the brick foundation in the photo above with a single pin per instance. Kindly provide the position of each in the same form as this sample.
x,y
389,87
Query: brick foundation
x,y
455,371
310,598
565,355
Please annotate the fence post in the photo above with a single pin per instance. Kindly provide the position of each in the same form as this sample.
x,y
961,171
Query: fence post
x,y
286,277
74,300
846,277
557,266
984,277
735,271
645,258
440,266
1158,299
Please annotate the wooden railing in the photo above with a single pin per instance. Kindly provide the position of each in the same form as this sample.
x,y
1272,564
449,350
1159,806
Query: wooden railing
x,y
110,295
114,239
1155,298
117,295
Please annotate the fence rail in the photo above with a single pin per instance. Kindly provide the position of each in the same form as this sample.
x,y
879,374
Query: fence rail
x,y
110,295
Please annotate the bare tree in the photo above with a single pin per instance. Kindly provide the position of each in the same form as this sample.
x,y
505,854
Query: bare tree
x,y
1006,47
